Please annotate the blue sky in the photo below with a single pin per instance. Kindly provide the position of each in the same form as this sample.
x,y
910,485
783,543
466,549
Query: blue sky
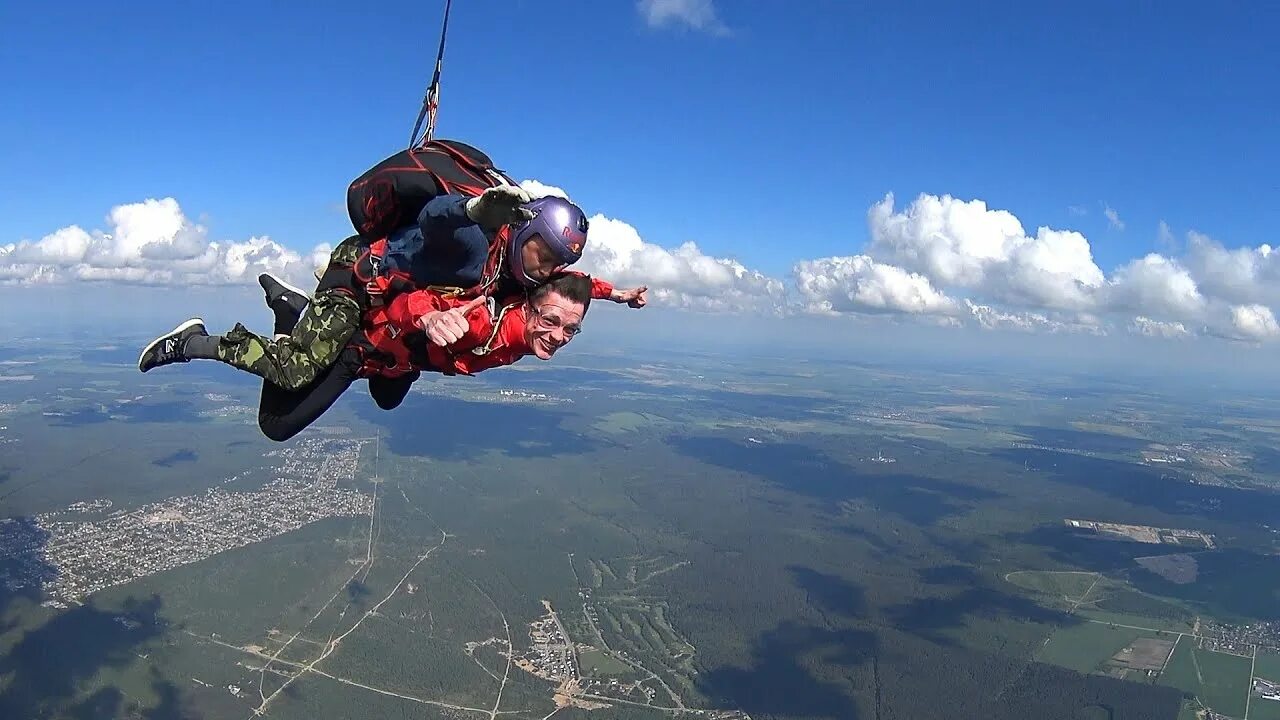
x,y
765,143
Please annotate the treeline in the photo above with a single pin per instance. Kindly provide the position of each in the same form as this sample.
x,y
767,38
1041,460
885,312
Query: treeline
x,y
1049,692
807,672
1134,603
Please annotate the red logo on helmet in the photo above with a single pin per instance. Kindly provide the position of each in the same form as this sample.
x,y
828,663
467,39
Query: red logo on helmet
x,y
574,239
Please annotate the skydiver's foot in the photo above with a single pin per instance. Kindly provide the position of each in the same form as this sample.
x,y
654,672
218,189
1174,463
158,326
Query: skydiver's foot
x,y
285,300
172,346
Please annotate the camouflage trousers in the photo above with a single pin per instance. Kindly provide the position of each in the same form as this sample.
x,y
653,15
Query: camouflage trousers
x,y
323,331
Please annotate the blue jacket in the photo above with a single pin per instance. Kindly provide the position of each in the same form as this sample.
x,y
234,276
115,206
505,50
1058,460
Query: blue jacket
x,y
445,248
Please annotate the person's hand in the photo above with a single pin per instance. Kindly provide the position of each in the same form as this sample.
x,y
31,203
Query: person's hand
x,y
499,206
635,297
444,327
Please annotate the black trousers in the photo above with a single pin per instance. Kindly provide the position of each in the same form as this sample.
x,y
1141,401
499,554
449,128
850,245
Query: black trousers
x,y
285,413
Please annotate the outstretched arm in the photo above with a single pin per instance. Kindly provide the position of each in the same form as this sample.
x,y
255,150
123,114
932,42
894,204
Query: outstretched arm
x,y
602,289
634,297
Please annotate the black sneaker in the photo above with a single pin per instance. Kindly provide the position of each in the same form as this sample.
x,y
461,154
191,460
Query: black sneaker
x,y
285,300
170,347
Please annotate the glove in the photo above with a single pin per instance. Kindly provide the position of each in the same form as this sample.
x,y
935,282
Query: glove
x,y
499,206
445,327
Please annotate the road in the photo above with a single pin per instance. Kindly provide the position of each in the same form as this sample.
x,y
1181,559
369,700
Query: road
x,y
573,651
306,668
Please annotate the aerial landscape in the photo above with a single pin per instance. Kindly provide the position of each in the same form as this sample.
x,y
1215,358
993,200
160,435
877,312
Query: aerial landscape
x,y
816,542
692,360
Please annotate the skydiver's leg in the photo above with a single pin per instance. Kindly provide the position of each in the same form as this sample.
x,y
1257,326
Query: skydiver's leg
x,y
390,392
287,302
284,413
291,362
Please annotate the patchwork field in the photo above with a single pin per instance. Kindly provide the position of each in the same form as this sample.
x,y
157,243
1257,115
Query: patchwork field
x,y
1221,681
1097,647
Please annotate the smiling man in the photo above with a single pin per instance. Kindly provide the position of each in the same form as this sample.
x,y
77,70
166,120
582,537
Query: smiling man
x,y
422,331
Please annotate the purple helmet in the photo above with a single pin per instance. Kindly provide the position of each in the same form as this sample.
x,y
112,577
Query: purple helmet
x,y
561,225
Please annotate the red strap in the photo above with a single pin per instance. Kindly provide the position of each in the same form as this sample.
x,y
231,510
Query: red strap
x,y
478,171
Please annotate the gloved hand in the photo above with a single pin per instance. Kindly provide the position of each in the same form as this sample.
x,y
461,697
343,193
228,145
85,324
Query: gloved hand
x,y
445,327
499,206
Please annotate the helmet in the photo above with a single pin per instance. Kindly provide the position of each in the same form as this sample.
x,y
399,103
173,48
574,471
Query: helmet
x,y
561,225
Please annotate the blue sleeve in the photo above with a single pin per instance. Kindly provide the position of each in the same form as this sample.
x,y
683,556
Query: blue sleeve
x,y
444,214
454,249
440,220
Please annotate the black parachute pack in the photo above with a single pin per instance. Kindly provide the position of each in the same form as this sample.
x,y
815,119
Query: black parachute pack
x,y
390,195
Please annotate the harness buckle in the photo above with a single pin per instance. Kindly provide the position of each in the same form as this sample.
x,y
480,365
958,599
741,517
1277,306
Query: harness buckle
x,y
371,288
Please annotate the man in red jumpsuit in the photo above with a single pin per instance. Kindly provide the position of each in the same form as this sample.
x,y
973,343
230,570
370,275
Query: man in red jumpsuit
x,y
427,331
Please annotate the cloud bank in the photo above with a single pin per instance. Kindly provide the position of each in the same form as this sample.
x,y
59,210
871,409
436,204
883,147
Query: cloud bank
x,y
151,243
938,260
948,261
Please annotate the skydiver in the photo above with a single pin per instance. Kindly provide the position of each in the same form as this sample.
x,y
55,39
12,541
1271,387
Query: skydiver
x,y
419,331
451,245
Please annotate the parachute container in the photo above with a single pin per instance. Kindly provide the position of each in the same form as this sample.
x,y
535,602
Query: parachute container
x,y
391,194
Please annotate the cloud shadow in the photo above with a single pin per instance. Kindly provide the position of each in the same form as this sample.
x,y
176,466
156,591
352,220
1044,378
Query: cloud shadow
x,y
803,470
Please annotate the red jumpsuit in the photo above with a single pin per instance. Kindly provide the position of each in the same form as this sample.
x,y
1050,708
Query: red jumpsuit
x,y
397,345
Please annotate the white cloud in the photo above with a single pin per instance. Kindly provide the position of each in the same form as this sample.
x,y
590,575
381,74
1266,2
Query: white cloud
x,y
1156,285
1053,270
684,277
696,14
1254,322
1113,217
968,246
1004,278
1243,275
62,247
990,318
151,243
1143,325
858,283
948,240
540,190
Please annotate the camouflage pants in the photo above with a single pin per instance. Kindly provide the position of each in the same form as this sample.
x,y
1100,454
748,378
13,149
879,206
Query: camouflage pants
x,y
322,332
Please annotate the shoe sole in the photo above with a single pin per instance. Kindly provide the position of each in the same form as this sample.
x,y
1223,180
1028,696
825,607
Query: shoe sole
x,y
190,323
288,286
